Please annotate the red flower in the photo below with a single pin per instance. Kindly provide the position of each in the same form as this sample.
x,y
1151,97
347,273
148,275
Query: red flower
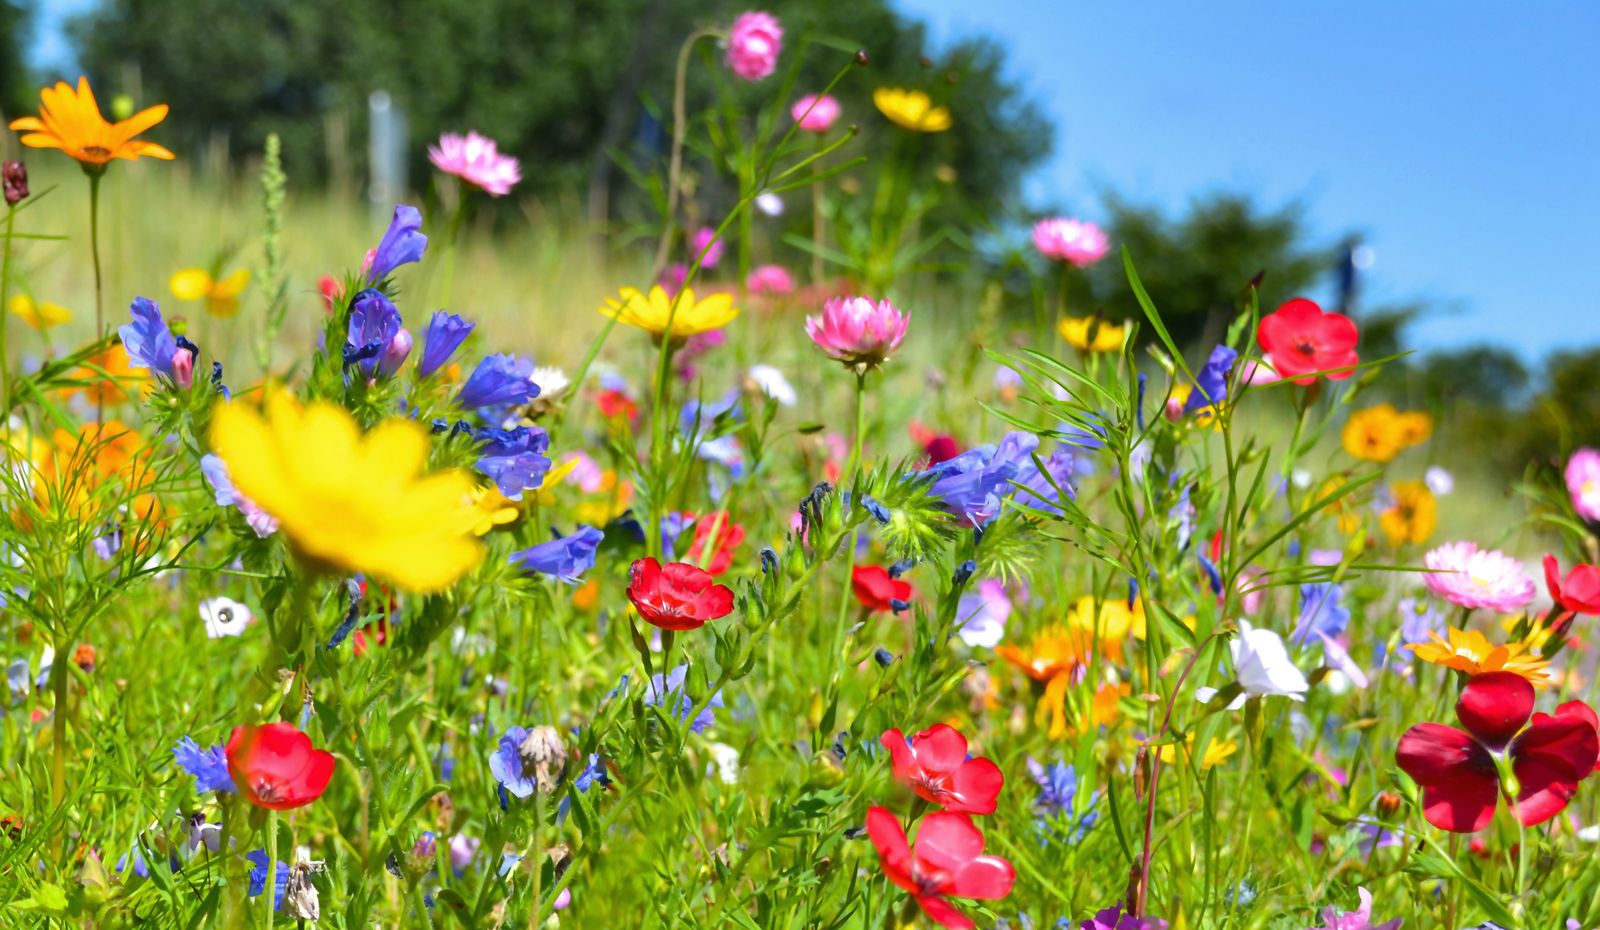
x,y
274,766
936,447
1460,783
948,863
677,595
332,291
1300,338
876,590
616,405
1580,593
729,536
936,766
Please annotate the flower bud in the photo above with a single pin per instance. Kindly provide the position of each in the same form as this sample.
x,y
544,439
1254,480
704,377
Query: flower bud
x,y
183,368
300,899
1388,804
14,181
395,353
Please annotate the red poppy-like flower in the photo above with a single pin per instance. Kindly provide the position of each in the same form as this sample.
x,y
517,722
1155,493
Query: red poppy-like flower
x,y
934,764
1580,593
616,404
729,536
332,291
936,447
274,766
1456,769
1300,338
948,863
876,590
677,595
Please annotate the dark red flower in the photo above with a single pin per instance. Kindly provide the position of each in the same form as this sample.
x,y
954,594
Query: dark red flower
x,y
948,863
677,595
274,766
876,590
936,447
1580,593
729,536
1456,769
1300,339
934,764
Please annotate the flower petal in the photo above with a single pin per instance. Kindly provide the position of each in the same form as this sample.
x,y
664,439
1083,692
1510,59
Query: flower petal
x,y
1494,706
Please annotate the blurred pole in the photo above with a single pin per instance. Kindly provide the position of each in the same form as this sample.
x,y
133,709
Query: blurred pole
x,y
1354,258
386,154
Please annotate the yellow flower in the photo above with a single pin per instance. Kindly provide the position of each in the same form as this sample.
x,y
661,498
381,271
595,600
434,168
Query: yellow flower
x,y
911,109
1092,334
492,509
1413,516
1203,416
348,501
1415,427
1344,506
70,120
1378,434
1471,652
1216,751
1054,651
220,294
557,474
1111,624
652,313
41,315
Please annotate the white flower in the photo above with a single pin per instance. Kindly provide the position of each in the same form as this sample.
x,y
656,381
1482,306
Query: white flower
x,y
1439,481
551,381
773,384
224,617
1263,666
1300,478
727,762
770,204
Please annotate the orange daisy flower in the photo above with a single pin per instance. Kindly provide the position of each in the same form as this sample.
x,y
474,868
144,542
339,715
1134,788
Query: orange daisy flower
x,y
1471,652
70,120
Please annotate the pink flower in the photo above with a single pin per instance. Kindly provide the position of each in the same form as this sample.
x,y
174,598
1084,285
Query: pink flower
x,y
705,241
672,278
754,44
815,114
858,332
476,160
1255,372
1471,577
769,279
1358,919
1583,483
1075,241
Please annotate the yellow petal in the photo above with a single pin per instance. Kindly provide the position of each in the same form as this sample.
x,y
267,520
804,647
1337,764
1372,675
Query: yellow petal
x,y
233,285
190,284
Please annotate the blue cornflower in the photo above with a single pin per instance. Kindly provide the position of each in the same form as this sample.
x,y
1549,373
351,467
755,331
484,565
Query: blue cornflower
x,y
1055,805
499,380
258,877
565,558
508,766
1211,384
1321,612
446,332
974,483
402,244
147,340
208,766
671,689
514,458
374,324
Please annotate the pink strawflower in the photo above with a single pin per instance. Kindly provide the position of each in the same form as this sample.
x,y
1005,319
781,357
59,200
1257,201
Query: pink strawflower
x,y
858,332
476,160
815,114
1358,919
769,279
1075,241
1583,483
705,240
753,45
1467,576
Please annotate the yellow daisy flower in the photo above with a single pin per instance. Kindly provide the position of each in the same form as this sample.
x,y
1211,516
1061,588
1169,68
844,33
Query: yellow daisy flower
x,y
70,120
1216,751
349,501
40,315
220,294
655,313
1471,652
1413,515
911,109
1092,334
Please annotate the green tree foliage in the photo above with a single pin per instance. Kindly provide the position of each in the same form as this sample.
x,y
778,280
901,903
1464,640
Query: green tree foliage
x,y
16,86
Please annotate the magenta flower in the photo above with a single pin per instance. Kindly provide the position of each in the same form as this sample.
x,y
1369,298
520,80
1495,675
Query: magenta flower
x,y
1358,919
753,45
1075,241
815,113
769,279
477,160
705,242
1471,577
858,332
1583,483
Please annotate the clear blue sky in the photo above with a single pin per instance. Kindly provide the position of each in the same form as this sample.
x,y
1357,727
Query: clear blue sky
x,y
1462,137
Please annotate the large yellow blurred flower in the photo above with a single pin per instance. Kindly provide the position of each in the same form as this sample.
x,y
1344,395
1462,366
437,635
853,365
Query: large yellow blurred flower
x,y
1110,624
911,109
1216,751
70,120
653,312
1378,434
1471,652
220,294
1092,334
351,501
40,315
1413,515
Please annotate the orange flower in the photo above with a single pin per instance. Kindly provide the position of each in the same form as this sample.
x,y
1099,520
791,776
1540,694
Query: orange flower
x,y
1054,651
1471,652
70,120
75,467
1413,516
1103,708
107,376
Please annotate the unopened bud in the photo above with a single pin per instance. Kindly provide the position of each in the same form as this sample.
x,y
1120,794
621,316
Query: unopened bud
x,y
861,57
395,353
1388,804
14,180
183,368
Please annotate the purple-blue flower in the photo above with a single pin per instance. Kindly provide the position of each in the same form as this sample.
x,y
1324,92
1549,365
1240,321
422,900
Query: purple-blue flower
x,y
374,324
975,483
499,380
594,773
446,332
565,558
1112,918
402,244
148,341
1321,612
514,458
670,693
507,765
1055,805
208,766
1038,489
258,877
1211,384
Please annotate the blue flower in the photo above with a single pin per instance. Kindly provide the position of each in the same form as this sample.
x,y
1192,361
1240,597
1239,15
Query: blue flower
x,y
594,773
514,458
1321,612
1039,488
402,244
258,877
508,767
446,332
672,526
208,766
148,341
374,323
565,558
1055,805
497,381
1211,384
1418,618
670,693
697,417
974,483
140,867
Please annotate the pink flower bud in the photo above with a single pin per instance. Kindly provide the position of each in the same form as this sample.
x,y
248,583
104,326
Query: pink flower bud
x,y
183,368
395,353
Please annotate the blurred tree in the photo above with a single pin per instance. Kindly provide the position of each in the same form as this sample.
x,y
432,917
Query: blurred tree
x,y
18,94
1483,377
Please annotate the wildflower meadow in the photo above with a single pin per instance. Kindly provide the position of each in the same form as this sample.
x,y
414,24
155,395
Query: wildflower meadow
x,y
427,573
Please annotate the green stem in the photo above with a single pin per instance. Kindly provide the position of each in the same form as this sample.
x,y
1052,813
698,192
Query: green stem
x,y
450,247
272,864
680,121
861,426
5,304
58,723
538,858
94,252
818,221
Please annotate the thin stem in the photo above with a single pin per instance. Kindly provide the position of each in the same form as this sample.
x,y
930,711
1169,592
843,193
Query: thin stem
x,y
450,247
5,303
538,858
272,865
94,251
861,425
58,723
818,221
680,120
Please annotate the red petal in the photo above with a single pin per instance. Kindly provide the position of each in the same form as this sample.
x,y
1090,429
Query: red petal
x,y
1567,745
899,753
1432,753
1335,333
1494,706
977,786
714,604
1552,577
1463,804
940,748
312,782
1579,710
946,841
944,913
893,851
1582,593
986,877
1546,789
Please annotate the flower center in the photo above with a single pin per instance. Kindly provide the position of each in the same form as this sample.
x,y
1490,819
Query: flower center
x,y
269,789
96,151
